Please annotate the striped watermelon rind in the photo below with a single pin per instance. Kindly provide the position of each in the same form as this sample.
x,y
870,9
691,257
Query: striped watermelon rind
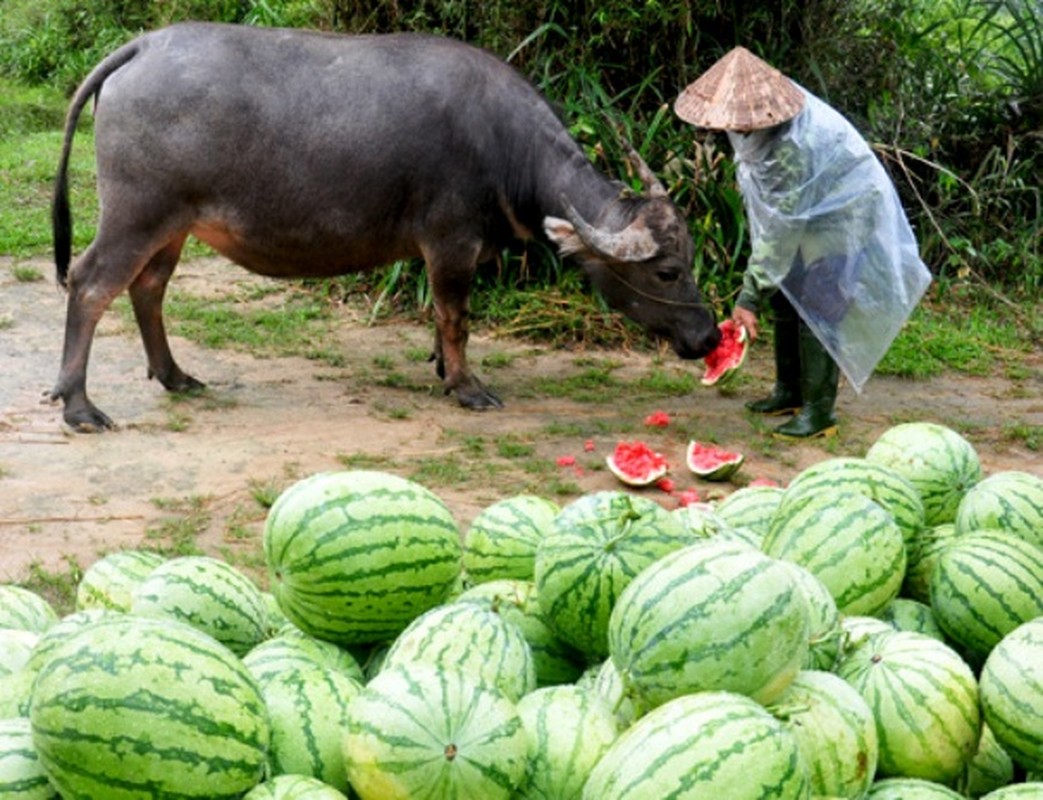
x,y
22,776
293,787
825,633
1012,693
24,609
516,602
835,732
109,582
421,731
208,594
473,639
990,768
138,707
750,507
904,614
924,698
935,459
715,615
847,541
568,730
1030,790
501,540
1010,501
16,645
983,586
308,710
911,789
354,556
701,745
880,483
294,647
596,547
922,554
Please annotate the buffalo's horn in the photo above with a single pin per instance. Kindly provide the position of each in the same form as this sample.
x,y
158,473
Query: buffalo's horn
x,y
652,184
634,243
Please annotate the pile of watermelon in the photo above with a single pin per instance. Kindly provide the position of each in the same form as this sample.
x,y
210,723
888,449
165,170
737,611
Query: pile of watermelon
x,y
872,630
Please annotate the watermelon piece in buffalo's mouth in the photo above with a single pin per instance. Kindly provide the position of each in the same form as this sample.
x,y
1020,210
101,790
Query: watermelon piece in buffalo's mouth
x,y
728,356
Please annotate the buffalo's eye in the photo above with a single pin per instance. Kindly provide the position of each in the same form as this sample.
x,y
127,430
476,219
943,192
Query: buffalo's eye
x,y
668,275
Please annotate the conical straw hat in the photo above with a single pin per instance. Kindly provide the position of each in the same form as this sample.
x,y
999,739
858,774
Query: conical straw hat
x,y
740,92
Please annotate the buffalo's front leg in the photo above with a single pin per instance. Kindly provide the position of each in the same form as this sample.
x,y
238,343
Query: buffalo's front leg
x,y
451,289
146,295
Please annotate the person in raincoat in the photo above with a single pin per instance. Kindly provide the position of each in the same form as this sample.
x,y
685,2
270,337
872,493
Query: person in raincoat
x,y
832,252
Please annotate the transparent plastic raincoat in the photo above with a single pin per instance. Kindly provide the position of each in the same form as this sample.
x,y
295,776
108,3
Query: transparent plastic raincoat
x,y
828,229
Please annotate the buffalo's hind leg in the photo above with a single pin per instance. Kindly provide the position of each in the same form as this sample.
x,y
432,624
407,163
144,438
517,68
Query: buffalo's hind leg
x,y
146,295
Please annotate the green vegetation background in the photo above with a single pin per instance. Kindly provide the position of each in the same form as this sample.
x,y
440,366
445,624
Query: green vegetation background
x,y
949,92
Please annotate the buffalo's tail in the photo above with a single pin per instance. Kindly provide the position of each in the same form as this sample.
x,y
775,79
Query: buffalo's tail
x,y
61,216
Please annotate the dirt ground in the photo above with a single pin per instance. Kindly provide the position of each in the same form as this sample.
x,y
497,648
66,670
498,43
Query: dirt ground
x,y
267,421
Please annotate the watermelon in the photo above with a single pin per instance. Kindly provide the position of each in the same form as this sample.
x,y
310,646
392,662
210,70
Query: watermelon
x,y
835,732
904,614
516,602
700,520
15,693
209,594
725,359
1017,791
715,615
847,541
751,507
989,768
132,707
25,610
568,730
825,633
597,545
712,463
936,460
501,540
879,483
636,464
109,581
470,638
1012,693
421,731
21,775
293,648
910,789
922,554
62,630
354,556
293,787
625,704
1009,501
308,708
983,586
924,699
703,745
15,647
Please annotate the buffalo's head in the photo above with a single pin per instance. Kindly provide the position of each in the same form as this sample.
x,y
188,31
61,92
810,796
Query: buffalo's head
x,y
639,254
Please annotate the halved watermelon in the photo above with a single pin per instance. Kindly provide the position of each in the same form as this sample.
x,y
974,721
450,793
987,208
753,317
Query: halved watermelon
x,y
636,464
729,354
712,463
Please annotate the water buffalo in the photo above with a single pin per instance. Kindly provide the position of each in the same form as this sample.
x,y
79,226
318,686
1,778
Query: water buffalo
x,y
298,153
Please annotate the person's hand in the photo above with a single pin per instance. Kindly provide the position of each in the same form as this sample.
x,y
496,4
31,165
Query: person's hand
x,y
746,318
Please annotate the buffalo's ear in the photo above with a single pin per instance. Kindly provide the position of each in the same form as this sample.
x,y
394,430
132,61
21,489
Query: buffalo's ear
x,y
563,234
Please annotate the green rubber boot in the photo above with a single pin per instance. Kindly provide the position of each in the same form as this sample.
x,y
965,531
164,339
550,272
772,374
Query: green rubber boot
x,y
785,396
819,376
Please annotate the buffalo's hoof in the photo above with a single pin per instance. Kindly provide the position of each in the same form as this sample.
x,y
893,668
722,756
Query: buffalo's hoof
x,y
481,400
88,420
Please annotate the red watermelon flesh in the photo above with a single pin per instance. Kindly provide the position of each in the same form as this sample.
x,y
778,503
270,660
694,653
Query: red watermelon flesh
x,y
728,356
712,463
636,464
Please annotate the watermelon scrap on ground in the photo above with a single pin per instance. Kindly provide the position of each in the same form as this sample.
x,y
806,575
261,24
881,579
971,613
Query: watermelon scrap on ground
x,y
636,464
657,419
712,463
